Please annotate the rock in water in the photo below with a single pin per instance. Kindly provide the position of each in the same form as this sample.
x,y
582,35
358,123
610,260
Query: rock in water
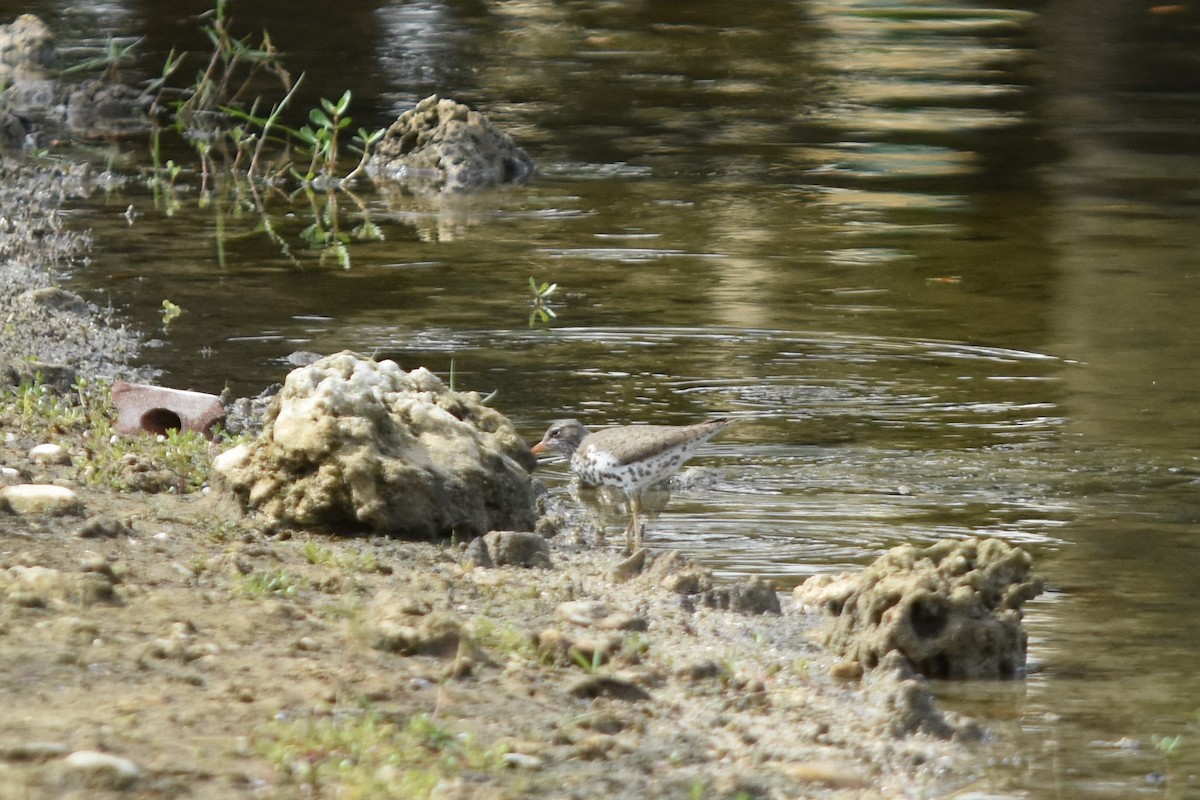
x,y
351,443
444,146
952,610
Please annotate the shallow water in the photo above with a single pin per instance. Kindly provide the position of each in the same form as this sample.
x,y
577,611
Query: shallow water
x,y
940,257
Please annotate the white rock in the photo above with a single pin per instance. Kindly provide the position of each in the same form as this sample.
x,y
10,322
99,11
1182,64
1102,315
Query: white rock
x,y
102,770
49,454
40,498
522,760
231,459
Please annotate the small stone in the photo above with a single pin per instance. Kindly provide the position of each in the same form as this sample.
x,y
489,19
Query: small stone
x,y
50,454
96,770
846,670
234,458
391,626
593,686
523,761
103,527
33,751
593,613
583,612
630,567
99,565
700,670
751,596
27,499
510,548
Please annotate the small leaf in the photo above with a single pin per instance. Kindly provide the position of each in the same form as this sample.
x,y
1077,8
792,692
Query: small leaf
x,y
319,117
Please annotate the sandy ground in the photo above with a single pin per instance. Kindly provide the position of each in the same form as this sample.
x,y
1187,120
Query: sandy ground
x,y
161,645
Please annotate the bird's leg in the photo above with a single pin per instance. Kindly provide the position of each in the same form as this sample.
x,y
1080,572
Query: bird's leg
x,y
635,508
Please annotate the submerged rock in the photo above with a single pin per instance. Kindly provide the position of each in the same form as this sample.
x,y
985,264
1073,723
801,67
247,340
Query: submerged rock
x,y
98,109
952,610
354,443
444,146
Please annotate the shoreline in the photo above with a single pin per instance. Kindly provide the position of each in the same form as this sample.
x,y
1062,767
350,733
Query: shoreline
x,y
193,653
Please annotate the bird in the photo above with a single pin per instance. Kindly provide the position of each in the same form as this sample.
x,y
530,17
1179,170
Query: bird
x,y
629,457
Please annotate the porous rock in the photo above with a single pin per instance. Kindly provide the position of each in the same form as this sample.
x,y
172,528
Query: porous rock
x,y
26,41
354,443
444,146
952,610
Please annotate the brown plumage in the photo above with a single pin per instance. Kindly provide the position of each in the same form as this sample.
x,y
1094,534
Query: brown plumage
x,y
631,457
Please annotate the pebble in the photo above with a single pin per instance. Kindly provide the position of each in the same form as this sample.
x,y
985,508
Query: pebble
x,y
102,770
49,454
104,527
600,615
835,774
39,498
522,760
33,751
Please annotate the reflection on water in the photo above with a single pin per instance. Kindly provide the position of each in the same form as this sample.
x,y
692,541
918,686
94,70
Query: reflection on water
x,y
940,257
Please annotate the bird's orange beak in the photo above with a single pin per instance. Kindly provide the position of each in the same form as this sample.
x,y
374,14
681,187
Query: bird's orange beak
x,y
539,449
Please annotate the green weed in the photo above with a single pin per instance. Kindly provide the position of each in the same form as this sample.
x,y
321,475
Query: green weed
x,y
275,582
540,301
374,755
84,419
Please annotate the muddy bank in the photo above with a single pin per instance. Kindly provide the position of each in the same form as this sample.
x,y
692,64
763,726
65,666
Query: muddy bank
x,y
43,323
158,644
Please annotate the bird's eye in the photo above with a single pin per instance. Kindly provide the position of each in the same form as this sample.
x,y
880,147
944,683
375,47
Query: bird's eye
x,y
554,433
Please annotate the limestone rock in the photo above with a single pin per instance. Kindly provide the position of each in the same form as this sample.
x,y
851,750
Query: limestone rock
x,y
444,146
26,41
351,443
952,610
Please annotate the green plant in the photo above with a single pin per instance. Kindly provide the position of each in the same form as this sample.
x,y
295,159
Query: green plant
x,y
371,754
170,312
319,555
589,665
276,582
245,153
85,417
540,301
115,54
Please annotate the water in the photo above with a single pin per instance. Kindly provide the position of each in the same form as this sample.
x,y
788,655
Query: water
x,y
941,257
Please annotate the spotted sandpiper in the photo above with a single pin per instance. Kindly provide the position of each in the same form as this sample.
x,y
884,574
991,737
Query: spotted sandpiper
x,y
631,457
